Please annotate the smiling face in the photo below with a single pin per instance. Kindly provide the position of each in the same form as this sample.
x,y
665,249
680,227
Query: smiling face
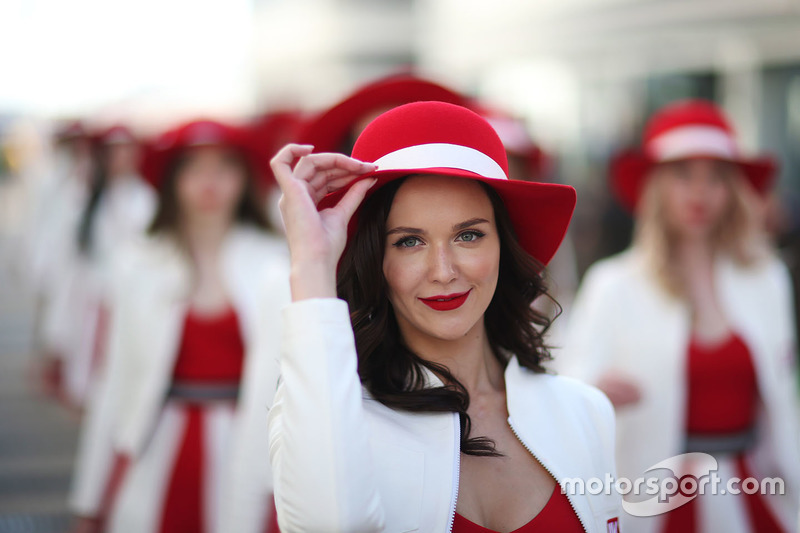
x,y
442,257
695,195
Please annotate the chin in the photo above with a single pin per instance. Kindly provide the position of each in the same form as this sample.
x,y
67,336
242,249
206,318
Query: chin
x,y
446,328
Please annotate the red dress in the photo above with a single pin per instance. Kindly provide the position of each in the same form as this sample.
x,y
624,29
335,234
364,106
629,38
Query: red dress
x,y
211,352
173,486
557,515
722,400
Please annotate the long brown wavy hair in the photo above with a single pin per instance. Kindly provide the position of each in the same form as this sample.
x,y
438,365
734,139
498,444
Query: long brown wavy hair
x,y
391,372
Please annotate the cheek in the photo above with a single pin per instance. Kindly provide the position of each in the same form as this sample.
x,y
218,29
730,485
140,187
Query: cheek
x,y
402,274
188,189
675,200
484,267
230,187
719,199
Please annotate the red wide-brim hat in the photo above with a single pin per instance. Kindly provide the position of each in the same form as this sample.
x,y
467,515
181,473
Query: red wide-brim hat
x,y
687,129
70,130
330,130
116,134
274,130
518,142
438,138
161,152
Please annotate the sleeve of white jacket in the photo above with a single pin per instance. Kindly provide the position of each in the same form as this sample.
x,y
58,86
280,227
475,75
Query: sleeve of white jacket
x,y
319,446
589,338
786,373
95,447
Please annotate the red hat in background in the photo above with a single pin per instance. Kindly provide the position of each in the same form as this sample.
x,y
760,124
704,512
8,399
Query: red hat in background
x,y
518,142
330,130
70,130
687,129
271,131
116,134
439,138
199,133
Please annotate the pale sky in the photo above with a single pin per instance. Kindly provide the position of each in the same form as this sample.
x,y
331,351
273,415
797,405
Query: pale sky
x,y
67,57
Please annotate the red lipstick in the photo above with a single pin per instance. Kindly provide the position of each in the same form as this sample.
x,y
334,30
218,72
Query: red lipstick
x,y
446,302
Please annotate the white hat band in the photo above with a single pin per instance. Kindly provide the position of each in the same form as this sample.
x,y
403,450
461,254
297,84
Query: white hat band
x,y
442,155
690,141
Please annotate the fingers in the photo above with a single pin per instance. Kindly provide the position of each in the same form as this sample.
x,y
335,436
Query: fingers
x,y
353,198
311,166
282,162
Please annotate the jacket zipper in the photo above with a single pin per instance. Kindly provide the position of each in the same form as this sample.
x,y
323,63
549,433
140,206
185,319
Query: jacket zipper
x,y
549,471
456,472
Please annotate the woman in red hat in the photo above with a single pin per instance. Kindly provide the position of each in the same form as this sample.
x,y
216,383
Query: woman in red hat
x,y
689,331
53,226
417,401
190,333
118,206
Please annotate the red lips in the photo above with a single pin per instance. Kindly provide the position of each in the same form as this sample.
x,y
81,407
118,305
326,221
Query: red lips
x,y
446,302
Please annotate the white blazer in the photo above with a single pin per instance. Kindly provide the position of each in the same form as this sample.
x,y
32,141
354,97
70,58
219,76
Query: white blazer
x,y
81,282
149,303
345,462
623,321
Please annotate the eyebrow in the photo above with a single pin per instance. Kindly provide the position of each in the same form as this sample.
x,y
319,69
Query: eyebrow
x,y
456,227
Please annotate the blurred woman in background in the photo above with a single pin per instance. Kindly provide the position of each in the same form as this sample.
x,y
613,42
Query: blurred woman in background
x,y
187,311
118,206
690,331
52,246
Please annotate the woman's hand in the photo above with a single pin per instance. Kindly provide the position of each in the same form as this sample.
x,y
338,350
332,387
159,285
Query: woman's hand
x,y
620,390
317,238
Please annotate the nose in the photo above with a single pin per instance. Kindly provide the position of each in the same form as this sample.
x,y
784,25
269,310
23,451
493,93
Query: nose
x,y
442,268
704,176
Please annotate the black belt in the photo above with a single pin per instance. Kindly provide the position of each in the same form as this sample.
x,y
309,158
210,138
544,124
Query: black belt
x,y
203,392
721,444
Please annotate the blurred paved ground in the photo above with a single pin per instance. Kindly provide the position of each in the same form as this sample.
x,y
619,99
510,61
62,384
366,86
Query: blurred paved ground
x,y
37,437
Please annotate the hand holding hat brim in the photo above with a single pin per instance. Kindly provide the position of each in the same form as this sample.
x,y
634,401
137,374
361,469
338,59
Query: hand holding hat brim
x,y
317,238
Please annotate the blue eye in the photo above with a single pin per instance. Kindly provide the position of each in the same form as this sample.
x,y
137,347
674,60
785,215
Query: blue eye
x,y
407,242
470,236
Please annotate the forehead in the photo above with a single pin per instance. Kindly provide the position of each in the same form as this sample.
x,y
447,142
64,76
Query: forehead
x,y
430,200
212,154
699,164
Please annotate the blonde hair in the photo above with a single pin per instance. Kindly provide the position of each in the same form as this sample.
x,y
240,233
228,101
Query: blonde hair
x,y
739,234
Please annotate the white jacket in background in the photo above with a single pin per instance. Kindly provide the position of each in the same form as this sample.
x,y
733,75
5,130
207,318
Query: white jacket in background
x,y
149,304
345,462
80,282
623,321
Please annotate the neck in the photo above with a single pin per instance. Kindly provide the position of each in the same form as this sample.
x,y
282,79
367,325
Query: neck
x,y
204,236
470,359
694,251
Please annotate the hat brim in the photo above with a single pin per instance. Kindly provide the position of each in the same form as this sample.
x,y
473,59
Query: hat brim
x,y
629,170
539,212
154,162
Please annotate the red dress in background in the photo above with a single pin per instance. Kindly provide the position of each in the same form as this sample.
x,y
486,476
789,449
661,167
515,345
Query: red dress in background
x,y
177,478
211,352
722,399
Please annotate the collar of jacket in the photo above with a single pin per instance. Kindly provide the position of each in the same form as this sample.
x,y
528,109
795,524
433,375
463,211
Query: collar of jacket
x,y
538,406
